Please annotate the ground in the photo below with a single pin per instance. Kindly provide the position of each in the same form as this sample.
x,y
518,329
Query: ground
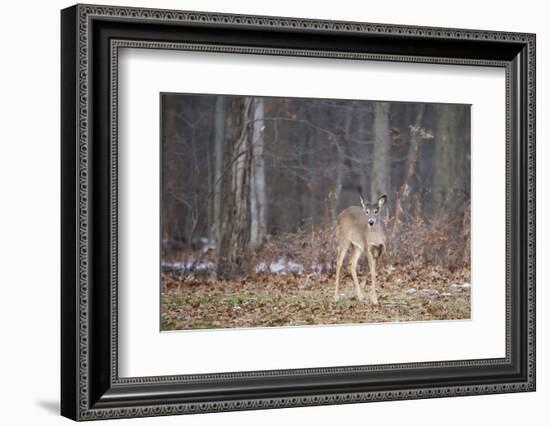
x,y
412,292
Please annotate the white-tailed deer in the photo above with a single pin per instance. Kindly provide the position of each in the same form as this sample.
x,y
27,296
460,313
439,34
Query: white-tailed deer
x,y
361,228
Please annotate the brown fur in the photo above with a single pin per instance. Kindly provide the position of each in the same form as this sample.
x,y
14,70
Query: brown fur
x,y
353,230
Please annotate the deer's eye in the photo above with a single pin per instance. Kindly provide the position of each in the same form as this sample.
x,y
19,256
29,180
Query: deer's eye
x,y
367,211
375,211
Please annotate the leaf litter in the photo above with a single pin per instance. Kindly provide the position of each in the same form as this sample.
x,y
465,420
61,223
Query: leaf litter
x,y
411,292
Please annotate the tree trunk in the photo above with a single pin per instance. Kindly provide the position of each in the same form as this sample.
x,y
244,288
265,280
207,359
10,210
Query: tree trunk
x,y
234,215
363,155
338,182
308,207
216,169
445,158
175,217
258,197
351,181
380,183
463,152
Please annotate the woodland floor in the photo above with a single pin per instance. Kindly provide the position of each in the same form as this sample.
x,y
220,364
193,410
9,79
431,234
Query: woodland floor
x,y
405,293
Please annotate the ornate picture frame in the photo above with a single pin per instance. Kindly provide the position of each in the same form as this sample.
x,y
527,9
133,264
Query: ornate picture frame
x,y
91,37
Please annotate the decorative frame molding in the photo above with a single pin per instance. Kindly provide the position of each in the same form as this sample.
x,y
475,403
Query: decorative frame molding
x,y
91,37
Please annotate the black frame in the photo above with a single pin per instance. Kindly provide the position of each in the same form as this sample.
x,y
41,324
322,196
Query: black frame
x,y
91,37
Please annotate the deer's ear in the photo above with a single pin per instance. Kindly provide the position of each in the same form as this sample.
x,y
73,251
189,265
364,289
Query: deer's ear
x,y
363,203
382,200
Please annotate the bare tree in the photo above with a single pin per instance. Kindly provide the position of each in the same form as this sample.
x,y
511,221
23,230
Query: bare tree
x,y
234,235
445,160
381,176
258,197
216,168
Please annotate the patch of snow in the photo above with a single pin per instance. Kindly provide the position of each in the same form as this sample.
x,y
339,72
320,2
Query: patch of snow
x,y
462,285
281,266
295,267
319,268
188,266
411,290
260,267
201,266
278,267
200,240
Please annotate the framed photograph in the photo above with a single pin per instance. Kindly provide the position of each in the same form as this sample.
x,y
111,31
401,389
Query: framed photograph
x,y
263,212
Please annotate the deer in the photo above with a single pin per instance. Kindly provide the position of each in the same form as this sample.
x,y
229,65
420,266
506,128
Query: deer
x,y
362,229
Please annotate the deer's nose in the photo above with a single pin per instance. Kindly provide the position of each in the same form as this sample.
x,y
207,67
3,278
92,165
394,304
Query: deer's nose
x,y
371,222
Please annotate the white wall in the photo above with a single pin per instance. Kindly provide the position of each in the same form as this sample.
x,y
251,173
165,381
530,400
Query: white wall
x,y
29,225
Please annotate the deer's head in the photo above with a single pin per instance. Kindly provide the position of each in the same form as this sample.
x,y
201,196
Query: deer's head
x,y
372,210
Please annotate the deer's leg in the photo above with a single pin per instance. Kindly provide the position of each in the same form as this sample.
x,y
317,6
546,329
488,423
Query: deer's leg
x,y
372,268
342,250
353,266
